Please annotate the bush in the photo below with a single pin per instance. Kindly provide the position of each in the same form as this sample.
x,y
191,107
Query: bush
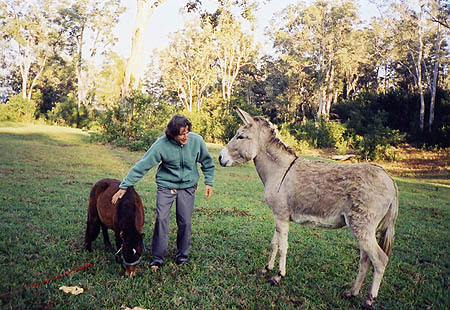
x,y
18,109
323,134
379,144
136,124
66,113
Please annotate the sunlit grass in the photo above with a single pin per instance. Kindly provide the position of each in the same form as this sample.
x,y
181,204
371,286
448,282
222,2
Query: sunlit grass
x,y
47,172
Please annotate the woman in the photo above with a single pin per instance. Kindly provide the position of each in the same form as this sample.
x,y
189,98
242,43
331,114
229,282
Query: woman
x,y
177,154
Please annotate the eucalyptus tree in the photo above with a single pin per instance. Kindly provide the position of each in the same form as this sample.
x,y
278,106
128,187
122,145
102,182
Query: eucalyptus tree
x,y
87,26
233,47
28,35
418,47
380,42
321,40
134,67
110,79
233,23
441,32
187,64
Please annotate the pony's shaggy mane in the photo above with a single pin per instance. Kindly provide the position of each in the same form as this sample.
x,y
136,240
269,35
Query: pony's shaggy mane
x,y
274,137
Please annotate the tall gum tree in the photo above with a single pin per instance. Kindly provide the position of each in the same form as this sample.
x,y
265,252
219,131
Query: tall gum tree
x,y
233,43
418,42
29,35
134,68
315,37
233,49
87,27
187,64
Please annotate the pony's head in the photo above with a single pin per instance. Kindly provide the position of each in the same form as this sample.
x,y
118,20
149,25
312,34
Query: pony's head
x,y
131,250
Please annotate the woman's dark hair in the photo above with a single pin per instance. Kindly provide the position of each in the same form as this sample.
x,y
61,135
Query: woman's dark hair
x,y
174,125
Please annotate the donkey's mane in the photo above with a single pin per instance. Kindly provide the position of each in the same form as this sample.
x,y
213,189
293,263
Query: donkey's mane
x,y
274,138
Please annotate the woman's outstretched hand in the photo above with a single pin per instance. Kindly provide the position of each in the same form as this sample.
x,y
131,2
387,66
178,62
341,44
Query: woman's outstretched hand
x,y
208,191
119,194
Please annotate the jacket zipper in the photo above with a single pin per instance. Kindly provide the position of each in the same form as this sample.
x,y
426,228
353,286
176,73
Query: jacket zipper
x,y
181,163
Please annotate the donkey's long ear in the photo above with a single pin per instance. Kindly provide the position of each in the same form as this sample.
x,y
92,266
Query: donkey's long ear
x,y
245,117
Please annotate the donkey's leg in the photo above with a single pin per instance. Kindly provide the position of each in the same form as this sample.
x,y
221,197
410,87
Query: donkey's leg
x,y
379,261
273,253
282,228
108,246
364,265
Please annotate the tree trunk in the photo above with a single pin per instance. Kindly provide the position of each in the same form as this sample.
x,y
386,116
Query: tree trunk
x,y
25,68
419,73
36,78
435,75
135,66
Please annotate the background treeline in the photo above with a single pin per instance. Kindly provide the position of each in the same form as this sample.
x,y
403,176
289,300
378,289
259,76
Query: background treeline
x,y
330,80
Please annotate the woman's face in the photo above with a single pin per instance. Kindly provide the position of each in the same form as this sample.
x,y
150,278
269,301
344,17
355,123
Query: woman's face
x,y
183,136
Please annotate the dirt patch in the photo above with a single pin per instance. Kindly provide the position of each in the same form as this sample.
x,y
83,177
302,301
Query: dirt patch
x,y
411,163
422,164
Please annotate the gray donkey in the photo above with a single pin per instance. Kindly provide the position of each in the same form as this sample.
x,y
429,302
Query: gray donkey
x,y
362,197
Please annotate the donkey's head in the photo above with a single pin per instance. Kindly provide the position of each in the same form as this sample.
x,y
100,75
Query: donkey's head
x,y
244,146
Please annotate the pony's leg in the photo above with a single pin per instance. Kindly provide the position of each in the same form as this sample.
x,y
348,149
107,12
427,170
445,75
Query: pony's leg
x,y
92,231
273,253
106,241
282,228
364,265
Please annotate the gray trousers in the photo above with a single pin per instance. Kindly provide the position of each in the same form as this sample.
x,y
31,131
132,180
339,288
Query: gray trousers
x,y
184,206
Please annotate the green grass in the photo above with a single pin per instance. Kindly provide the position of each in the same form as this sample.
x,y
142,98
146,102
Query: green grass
x,y
46,174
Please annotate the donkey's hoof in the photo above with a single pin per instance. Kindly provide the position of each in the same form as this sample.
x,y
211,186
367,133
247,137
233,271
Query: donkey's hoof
x,y
368,303
275,280
347,294
265,271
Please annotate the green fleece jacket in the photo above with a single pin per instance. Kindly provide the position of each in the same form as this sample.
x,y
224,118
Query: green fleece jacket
x,y
177,163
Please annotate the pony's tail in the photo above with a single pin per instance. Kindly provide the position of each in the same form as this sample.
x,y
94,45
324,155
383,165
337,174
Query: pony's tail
x,y
388,225
96,190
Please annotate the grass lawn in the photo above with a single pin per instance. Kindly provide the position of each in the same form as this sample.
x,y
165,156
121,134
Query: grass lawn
x,y
46,173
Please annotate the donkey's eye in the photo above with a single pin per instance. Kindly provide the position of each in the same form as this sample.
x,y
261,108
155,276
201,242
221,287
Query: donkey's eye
x,y
239,137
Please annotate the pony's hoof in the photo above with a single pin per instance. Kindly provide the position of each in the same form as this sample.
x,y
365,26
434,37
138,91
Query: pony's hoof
x,y
88,247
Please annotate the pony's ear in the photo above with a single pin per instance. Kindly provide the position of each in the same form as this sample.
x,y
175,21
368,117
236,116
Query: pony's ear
x,y
245,117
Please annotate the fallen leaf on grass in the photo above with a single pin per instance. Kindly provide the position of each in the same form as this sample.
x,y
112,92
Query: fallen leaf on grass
x,y
74,290
135,308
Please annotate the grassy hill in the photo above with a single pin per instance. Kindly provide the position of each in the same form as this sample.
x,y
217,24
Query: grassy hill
x,y
46,173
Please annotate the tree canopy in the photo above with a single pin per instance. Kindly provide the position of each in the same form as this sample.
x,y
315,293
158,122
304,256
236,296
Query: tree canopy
x,y
57,55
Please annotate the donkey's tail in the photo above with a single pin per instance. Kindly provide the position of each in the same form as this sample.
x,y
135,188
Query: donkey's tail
x,y
387,225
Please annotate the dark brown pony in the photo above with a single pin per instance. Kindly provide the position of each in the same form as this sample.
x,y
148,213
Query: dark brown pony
x,y
126,218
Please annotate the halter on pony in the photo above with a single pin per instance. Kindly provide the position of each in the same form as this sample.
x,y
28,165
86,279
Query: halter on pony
x,y
122,261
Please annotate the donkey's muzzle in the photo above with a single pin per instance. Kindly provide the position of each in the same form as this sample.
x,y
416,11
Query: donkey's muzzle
x,y
224,158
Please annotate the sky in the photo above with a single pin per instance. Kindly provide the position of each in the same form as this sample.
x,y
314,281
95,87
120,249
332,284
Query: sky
x,y
168,19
